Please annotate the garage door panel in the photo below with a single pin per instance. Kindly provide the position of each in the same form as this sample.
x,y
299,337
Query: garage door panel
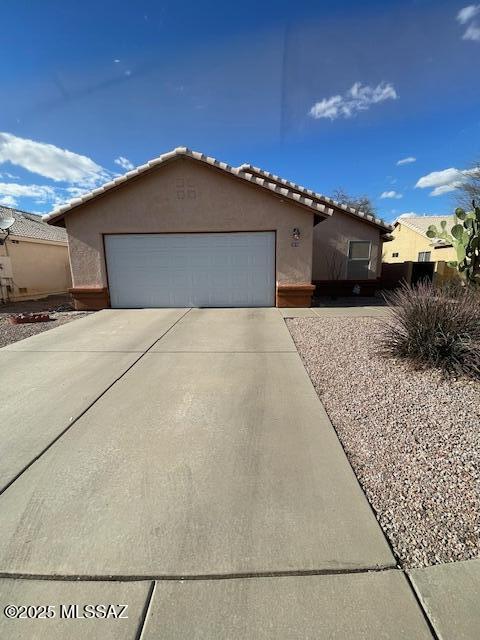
x,y
191,270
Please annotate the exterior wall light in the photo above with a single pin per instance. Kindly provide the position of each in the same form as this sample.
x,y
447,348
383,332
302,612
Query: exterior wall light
x,y
296,233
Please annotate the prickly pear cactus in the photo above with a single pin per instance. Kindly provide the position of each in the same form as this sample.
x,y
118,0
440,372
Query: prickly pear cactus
x,y
464,236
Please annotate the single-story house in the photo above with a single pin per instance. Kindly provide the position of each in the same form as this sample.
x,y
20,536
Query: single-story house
x,y
33,258
187,230
412,256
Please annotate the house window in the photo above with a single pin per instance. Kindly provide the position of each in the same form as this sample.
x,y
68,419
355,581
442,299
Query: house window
x,y
395,255
358,259
424,256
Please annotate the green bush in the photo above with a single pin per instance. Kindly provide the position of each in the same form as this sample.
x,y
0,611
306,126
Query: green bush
x,y
435,327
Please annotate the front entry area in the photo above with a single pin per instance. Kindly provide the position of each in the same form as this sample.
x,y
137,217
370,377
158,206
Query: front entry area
x,y
191,269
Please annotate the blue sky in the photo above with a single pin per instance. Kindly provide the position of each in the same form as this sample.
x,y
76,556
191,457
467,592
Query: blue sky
x,y
328,94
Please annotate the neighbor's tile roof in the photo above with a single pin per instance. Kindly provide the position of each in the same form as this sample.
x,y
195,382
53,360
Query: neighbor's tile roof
x,y
300,197
318,197
29,225
420,224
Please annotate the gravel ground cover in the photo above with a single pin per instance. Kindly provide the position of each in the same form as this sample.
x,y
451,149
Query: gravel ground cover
x,y
60,310
412,438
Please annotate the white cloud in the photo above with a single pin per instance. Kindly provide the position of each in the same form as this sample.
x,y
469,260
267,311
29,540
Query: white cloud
x,y
467,13
409,214
442,181
358,98
439,178
38,193
446,180
465,16
41,193
327,108
472,32
8,201
124,163
407,160
445,188
50,161
75,192
391,194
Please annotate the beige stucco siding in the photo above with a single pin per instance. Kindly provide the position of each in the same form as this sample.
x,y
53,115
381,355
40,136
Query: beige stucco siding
x,y
39,267
181,197
330,246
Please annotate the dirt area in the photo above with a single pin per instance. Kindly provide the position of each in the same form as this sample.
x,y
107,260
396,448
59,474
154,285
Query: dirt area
x,y
61,312
350,301
412,438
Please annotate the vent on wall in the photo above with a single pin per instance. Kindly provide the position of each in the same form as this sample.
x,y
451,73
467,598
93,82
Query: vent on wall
x,y
22,290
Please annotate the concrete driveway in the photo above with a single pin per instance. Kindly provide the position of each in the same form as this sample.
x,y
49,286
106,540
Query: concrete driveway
x,y
180,462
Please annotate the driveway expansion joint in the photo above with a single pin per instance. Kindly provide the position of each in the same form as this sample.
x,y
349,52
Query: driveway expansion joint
x,y
421,606
146,609
192,577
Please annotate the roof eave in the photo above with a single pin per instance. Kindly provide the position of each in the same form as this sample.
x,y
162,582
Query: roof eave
x,y
22,238
318,197
359,215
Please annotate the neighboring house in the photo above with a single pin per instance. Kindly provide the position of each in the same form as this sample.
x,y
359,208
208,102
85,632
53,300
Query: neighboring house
x,y
187,230
411,247
33,258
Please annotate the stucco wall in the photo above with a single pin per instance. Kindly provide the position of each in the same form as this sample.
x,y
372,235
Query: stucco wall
x,y
39,267
408,244
330,246
185,196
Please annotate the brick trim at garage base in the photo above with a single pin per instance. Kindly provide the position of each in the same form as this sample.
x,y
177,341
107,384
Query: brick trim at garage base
x,y
90,298
294,295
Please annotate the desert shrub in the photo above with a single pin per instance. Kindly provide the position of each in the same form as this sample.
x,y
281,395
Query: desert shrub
x,y
435,327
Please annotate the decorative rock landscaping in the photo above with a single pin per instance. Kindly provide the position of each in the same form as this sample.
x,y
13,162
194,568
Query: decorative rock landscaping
x,y
412,438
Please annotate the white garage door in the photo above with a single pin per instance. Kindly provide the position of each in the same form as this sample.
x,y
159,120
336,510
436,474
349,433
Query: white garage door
x,y
191,269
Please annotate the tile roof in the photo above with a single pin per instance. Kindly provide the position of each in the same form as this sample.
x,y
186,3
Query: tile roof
x,y
420,224
318,197
283,190
29,225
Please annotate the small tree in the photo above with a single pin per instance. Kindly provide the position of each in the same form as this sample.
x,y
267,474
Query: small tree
x,y
464,236
468,188
362,203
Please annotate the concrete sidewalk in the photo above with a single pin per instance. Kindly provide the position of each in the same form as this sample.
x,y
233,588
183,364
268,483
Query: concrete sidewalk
x,y
192,446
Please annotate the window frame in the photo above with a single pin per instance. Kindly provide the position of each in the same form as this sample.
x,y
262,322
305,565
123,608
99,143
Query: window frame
x,y
349,259
424,253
